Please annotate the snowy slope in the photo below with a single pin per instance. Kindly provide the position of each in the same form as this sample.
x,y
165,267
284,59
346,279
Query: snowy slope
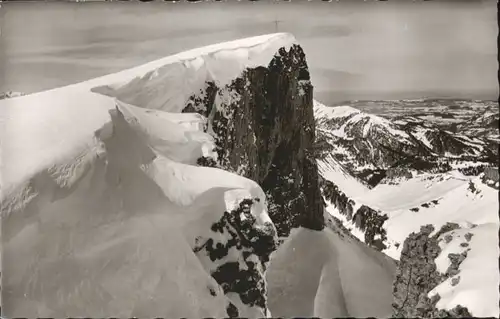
x,y
101,202
333,171
476,284
354,190
408,193
129,197
340,276
438,200
435,202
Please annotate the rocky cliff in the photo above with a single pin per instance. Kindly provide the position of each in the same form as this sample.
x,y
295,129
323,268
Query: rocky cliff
x,y
263,125
417,275
363,217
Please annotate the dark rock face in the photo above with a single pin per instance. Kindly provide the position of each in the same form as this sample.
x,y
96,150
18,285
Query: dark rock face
x,y
232,311
263,125
252,243
455,281
472,170
432,203
472,188
416,276
491,177
322,145
206,161
365,218
332,193
337,227
371,222
203,102
456,260
468,236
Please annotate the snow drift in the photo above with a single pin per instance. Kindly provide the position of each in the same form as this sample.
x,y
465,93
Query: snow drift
x,y
101,202
124,213
340,277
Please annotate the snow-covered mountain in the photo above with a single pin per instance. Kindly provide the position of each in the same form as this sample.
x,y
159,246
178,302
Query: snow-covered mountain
x,y
373,148
186,187
441,224
472,118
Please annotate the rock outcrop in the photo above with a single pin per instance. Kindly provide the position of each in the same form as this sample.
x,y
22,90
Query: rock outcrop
x,y
417,275
254,247
10,94
263,125
364,218
472,170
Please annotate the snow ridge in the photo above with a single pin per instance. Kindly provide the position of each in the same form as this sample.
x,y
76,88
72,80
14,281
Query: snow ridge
x,y
86,101
126,130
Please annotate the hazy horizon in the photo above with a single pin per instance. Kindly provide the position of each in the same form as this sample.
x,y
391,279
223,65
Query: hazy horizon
x,y
355,50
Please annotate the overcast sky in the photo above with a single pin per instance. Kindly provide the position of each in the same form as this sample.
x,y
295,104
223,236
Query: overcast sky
x,y
355,49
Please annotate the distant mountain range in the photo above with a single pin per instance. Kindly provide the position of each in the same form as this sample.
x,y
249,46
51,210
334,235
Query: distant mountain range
x,y
408,137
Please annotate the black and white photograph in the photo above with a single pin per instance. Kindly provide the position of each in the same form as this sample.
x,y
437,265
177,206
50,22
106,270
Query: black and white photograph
x,y
249,159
